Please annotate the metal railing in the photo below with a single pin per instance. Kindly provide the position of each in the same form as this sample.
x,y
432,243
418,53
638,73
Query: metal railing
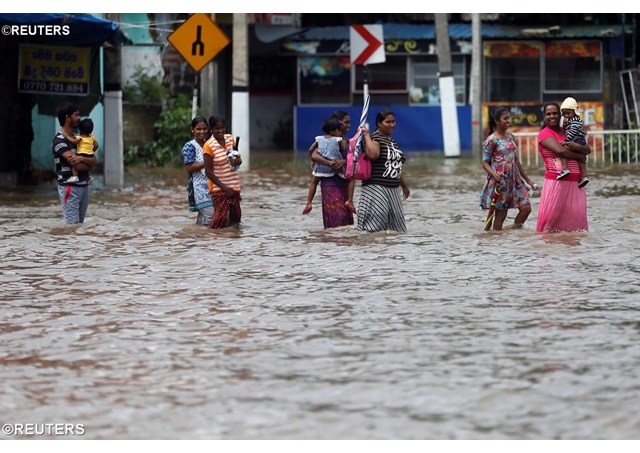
x,y
620,146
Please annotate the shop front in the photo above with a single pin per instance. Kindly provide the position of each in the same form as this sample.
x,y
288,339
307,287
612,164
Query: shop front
x,y
47,59
522,69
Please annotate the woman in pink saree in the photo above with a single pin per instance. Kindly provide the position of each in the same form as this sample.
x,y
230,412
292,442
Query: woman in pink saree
x,y
563,205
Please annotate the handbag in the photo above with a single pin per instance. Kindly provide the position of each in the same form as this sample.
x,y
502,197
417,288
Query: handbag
x,y
191,197
363,165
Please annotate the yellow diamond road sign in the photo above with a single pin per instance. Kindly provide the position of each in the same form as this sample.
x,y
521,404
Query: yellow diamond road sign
x,y
198,40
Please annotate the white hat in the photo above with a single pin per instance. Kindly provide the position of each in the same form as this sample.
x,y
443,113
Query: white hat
x,y
569,103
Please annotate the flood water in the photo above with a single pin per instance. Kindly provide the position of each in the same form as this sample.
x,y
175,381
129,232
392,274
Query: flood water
x,y
140,324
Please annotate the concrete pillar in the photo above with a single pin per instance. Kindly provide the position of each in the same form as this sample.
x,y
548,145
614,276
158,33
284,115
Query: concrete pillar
x,y
451,134
475,97
113,141
209,86
240,87
208,90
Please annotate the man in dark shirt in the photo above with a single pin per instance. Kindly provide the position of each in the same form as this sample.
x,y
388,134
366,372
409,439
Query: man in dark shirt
x,y
74,196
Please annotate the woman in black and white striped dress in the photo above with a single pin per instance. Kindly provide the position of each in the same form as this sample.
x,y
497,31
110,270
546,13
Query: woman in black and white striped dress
x,y
380,205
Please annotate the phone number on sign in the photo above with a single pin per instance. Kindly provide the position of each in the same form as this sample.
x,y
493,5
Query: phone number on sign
x,y
53,87
48,72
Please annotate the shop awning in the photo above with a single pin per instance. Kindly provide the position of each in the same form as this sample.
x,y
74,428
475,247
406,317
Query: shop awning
x,y
419,39
84,29
463,31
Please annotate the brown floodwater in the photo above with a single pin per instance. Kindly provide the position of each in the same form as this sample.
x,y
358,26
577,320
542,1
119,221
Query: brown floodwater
x,y
141,325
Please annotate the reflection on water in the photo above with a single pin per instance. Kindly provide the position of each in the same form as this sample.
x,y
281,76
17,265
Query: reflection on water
x,y
140,324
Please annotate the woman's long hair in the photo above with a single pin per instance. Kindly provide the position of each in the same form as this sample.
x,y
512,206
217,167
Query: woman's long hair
x,y
495,117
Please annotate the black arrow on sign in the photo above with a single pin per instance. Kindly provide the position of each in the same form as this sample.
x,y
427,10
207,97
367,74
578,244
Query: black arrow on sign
x,y
198,44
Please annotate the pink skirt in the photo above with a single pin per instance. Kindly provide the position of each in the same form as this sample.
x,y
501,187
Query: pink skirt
x,y
563,207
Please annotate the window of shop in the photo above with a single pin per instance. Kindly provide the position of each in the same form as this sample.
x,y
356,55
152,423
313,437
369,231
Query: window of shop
x,y
388,80
571,67
324,80
401,80
524,71
512,71
425,86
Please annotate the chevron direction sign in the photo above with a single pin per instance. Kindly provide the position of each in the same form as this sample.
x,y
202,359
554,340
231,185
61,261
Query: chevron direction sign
x,y
367,44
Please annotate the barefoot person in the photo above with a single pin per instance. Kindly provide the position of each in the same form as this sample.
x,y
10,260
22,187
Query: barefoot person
x,y
574,132
500,161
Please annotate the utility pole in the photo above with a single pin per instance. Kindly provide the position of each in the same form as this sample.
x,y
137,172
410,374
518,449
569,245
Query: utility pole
x,y
475,97
634,28
208,86
208,89
448,107
113,141
240,87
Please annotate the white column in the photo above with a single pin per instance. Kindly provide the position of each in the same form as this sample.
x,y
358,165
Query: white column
x,y
450,132
449,117
240,87
475,97
113,142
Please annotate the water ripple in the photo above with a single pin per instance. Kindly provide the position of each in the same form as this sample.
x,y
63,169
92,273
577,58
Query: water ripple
x,y
140,324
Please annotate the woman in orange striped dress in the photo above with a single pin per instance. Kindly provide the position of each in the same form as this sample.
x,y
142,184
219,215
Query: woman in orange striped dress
x,y
224,184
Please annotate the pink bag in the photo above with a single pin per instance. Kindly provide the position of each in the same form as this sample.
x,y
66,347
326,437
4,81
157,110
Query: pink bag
x,y
363,165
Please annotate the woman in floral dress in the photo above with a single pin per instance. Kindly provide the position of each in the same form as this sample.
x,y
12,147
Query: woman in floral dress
x,y
500,161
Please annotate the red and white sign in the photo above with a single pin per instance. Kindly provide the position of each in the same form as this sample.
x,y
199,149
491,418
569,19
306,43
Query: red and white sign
x,y
367,44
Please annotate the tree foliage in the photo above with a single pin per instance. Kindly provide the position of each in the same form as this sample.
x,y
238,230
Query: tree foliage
x,y
171,130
